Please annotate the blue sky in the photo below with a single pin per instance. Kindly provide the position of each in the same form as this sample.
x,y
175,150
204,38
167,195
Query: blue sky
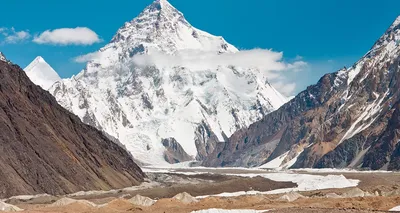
x,y
327,34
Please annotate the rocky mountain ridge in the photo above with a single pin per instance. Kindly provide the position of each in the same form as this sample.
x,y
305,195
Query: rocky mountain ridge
x,y
348,119
46,149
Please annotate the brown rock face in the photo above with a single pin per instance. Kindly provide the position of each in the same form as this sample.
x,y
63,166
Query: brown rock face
x,y
46,149
174,153
348,119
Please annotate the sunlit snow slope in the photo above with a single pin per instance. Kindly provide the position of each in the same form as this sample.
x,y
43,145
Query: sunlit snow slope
x,y
41,73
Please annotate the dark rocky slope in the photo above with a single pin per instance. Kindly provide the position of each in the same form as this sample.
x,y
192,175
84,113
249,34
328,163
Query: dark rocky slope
x,y
46,149
348,119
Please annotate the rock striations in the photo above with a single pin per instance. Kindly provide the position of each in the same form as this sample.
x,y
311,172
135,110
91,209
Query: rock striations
x,y
46,149
350,118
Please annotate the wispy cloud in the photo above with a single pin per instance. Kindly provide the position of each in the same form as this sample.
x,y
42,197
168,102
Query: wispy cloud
x,y
271,63
298,58
12,36
263,59
68,36
87,57
286,89
297,66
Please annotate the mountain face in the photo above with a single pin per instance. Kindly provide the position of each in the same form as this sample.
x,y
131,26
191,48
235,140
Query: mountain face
x,y
46,149
348,119
41,73
137,90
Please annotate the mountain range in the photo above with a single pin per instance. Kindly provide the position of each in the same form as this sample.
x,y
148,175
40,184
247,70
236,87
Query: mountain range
x,y
155,89
149,90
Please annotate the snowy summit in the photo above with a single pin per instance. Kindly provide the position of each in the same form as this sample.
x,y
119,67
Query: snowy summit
x,y
41,73
163,111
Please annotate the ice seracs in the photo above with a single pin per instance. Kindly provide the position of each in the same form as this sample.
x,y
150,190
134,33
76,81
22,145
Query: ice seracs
x,y
41,73
194,107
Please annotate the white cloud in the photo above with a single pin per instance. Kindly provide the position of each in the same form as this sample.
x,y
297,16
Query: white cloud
x,y
270,62
297,66
286,89
68,36
266,60
87,57
11,36
298,58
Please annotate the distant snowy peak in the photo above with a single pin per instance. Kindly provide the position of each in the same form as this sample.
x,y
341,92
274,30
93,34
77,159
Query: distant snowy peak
x,y
41,73
389,39
387,46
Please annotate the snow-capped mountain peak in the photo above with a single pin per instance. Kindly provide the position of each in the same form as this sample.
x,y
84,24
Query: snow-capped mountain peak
x,y
389,40
41,73
166,112
159,28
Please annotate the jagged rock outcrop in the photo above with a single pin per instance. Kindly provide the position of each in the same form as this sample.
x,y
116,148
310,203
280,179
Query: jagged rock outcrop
x,y
174,153
348,119
46,149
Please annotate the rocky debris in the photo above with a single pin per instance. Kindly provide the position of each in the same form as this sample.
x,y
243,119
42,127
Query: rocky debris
x,y
68,201
291,196
118,205
124,196
41,198
391,193
185,198
350,118
9,208
46,149
139,200
332,195
229,211
356,192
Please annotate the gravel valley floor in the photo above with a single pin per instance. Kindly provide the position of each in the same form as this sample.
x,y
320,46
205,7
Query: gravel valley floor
x,y
376,192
